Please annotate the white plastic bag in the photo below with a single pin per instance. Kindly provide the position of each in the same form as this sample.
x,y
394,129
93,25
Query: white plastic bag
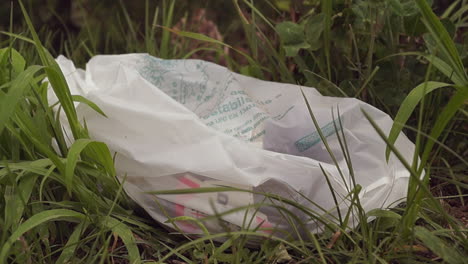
x,y
178,124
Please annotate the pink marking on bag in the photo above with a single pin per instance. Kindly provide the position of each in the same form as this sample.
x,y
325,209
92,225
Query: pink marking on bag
x,y
179,209
189,182
264,224
186,226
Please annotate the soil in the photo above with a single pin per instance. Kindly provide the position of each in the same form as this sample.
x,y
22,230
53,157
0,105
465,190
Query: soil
x,y
456,209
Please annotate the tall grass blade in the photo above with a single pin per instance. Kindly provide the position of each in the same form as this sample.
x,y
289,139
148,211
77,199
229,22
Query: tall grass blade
x,y
126,234
438,246
72,158
36,220
81,99
442,37
414,199
168,12
72,244
407,107
455,103
56,78
327,10
18,87
201,37
14,207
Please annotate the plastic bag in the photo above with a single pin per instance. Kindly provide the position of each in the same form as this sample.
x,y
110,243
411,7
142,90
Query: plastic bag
x,y
178,124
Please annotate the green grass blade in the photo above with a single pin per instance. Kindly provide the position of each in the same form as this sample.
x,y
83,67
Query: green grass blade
x,y
437,62
450,9
14,207
196,36
204,38
327,10
17,36
36,220
442,37
56,79
168,12
407,107
456,102
72,244
438,246
125,233
129,22
81,99
255,11
186,246
18,87
413,202
72,159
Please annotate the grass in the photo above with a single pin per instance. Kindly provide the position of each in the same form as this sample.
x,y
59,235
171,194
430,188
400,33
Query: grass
x,y
63,203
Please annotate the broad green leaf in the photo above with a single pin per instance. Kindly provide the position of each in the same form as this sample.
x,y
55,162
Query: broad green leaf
x,y
290,32
125,233
17,61
438,246
292,36
38,219
313,30
408,106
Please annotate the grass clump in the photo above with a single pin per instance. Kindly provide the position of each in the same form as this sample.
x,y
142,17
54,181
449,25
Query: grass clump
x,y
62,203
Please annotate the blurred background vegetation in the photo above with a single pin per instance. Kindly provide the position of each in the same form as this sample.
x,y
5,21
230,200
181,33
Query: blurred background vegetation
x,y
375,50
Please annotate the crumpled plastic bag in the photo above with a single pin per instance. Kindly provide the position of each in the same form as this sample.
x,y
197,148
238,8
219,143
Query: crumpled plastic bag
x,y
178,124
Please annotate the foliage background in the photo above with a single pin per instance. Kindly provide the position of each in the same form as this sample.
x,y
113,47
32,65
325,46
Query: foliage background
x,y
375,50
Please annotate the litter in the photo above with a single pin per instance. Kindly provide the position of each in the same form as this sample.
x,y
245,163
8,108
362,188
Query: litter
x,y
178,124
